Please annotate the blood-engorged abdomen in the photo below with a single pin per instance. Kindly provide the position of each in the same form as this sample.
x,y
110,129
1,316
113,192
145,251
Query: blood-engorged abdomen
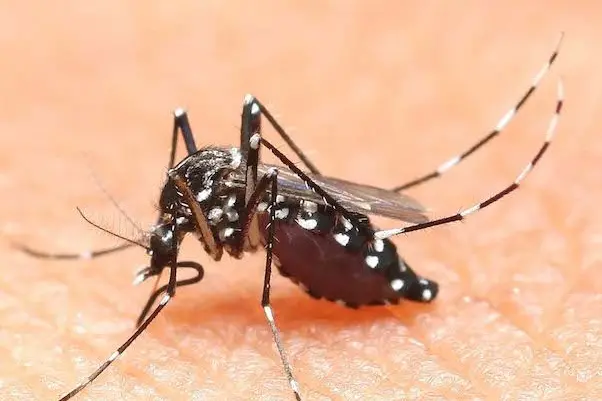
x,y
331,261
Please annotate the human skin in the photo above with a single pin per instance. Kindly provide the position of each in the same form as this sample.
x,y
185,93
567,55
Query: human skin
x,y
374,94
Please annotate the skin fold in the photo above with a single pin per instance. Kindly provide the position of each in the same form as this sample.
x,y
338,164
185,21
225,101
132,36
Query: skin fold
x,y
372,93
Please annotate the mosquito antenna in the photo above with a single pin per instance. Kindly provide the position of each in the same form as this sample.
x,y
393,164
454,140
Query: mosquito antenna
x,y
114,201
93,224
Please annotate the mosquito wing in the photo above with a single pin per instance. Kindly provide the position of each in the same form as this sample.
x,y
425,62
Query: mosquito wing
x,y
359,198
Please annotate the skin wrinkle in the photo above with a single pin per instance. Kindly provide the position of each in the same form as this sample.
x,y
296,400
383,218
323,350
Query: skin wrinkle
x,y
321,388
82,344
469,363
267,354
437,359
452,363
542,363
9,349
365,358
185,353
545,336
534,338
413,383
578,313
449,362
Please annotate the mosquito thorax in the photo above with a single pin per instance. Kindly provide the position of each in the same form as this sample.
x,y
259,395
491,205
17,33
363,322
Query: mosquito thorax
x,y
208,175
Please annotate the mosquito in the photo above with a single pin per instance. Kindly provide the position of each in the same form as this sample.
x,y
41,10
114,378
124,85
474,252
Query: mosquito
x,y
315,229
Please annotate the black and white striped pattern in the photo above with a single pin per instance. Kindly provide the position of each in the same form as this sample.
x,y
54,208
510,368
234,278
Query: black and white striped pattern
x,y
166,298
463,214
502,123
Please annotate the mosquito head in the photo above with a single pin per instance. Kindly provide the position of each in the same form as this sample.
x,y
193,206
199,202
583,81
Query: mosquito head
x,y
162,250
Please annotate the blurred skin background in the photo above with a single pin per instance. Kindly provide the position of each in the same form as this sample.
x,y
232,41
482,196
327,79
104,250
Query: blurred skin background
x,y
375,93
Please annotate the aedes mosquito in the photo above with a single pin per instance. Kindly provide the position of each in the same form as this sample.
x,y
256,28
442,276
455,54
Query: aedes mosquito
x,y
314,228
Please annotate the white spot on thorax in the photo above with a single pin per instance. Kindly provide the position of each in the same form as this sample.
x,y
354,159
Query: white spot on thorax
x,y
310,207
231,201
427,294
236,158
232,215
372,261
342,239
215,214
262,207
281,213
379,245
308,224
347,224
225,233
167,236
203,195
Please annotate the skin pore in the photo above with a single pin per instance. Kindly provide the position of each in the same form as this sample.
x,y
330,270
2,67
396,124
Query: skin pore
x,y
373,95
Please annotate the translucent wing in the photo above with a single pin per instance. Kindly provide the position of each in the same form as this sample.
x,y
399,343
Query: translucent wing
x,y
359,198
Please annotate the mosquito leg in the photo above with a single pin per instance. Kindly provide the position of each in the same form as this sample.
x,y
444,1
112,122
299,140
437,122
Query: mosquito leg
x,y
180,283
271,178
166,298
289,141
181,123
327,198
250,136
249,221
92,254
82,255
169,294
208,241
512,187
503,122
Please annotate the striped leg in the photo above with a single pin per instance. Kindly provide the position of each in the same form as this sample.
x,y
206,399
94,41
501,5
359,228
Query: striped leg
x,y
180,124
91,254
463,214
502,123
170,292
271,177
166,298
